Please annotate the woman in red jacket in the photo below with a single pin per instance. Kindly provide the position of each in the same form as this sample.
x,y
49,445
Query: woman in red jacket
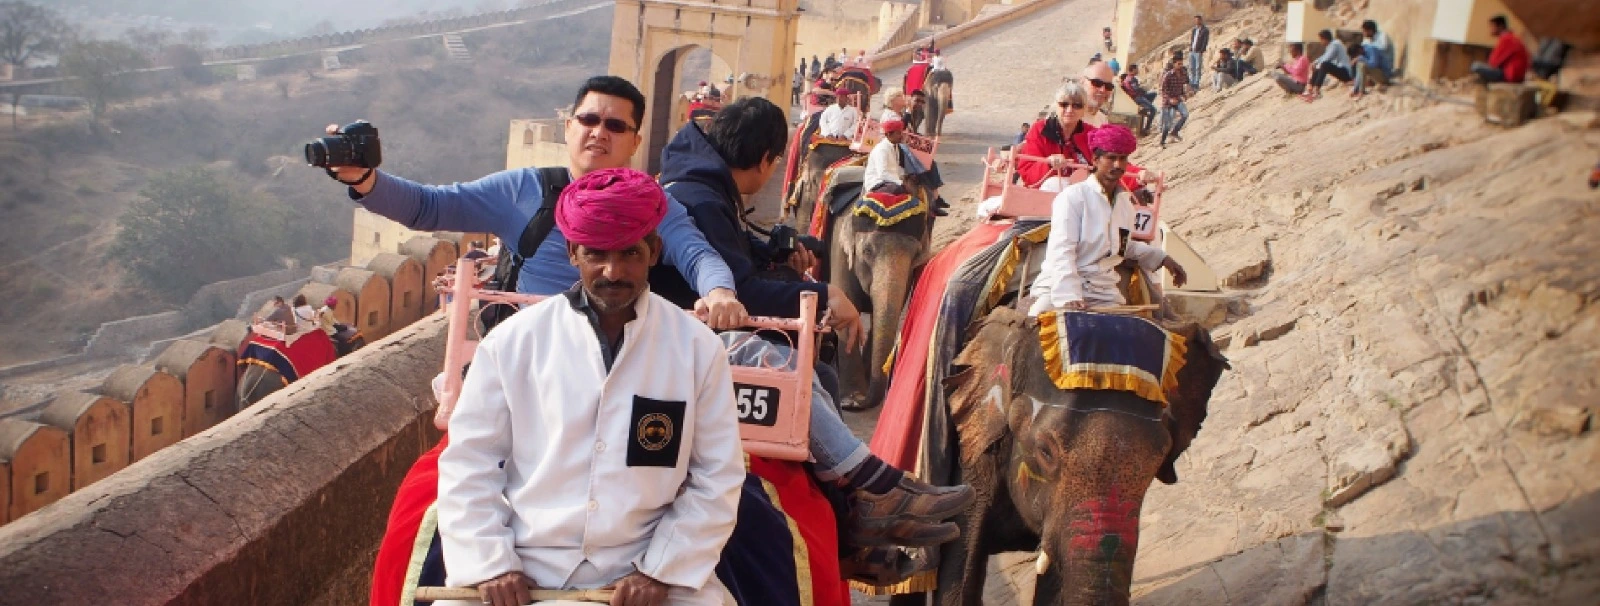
x,y
1062,139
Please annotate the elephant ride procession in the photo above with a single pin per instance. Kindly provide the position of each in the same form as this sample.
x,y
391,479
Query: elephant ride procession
x,y
1044,370
788,546
290,342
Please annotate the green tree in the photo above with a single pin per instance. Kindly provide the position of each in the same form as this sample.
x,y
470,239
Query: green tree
x,y
191,227
27,30
98,66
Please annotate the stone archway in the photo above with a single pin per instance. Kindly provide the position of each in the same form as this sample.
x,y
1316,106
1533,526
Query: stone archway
x,y
678,71
754,40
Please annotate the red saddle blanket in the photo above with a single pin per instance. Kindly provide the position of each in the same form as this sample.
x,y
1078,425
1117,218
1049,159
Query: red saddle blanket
x,y
408,554
309,352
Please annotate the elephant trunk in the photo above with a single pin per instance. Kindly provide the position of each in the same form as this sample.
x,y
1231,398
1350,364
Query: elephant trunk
x,y
1103,466
1088,561
890,274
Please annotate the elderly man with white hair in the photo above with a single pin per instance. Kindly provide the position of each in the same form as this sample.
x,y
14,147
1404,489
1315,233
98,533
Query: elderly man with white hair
x,y
1099,81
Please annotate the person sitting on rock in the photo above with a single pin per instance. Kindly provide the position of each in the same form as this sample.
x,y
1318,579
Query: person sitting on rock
x,y
1090,223
1508,62
1335,61
1375,61
1225,71
1142,97
1293,76
1250,61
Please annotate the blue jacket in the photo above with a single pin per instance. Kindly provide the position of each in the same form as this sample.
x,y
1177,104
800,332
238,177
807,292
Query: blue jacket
x,y
504,202
698,178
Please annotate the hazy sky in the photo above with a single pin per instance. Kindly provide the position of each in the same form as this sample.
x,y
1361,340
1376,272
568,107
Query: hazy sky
x,y
237,21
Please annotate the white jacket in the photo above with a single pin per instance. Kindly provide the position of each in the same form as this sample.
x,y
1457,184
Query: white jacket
x,y
577,476
838,121
883,166
1085,247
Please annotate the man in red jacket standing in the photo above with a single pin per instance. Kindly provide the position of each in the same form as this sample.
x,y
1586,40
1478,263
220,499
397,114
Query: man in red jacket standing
x,y
1509,60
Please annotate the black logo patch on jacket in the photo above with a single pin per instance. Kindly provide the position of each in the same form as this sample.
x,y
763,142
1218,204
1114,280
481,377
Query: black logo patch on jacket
x,y
656,432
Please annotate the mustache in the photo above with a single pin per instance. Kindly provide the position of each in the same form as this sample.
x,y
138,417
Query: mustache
x,y
604,283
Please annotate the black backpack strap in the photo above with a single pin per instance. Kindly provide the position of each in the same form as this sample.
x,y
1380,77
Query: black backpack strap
x,y
552,179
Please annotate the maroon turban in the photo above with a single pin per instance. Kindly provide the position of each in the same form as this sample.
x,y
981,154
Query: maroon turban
x,y
1113,138
610,209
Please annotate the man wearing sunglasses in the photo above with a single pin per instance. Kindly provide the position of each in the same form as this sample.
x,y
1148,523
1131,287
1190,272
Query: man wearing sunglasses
x,y
603,132
1100,82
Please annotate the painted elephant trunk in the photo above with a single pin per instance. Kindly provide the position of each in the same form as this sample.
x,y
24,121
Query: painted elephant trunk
x,y
1090,561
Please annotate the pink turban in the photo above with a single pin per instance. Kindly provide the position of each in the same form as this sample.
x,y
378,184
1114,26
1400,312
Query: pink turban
x,y
610,209
1113,138
892,125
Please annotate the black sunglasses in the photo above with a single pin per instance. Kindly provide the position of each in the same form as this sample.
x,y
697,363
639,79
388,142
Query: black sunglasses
x,y
1098,83
614,125
1072,104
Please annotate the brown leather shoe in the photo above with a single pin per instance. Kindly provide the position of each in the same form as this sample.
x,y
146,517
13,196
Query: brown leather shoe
x,y
903,533
912,500
882,566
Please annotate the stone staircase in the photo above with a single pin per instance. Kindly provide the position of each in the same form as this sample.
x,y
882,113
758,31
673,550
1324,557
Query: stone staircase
x,y
455,48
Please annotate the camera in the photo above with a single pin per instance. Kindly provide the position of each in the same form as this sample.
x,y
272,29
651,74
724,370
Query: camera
x,y
784,239
356,144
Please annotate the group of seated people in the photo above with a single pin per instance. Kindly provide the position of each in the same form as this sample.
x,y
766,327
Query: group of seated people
x,y
1369,64
300,317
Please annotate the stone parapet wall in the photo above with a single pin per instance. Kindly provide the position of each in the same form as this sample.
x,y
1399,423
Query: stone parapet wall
x,y
263,509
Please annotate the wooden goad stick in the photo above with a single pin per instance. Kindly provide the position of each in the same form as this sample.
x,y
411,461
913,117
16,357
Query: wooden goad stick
x,y
602,596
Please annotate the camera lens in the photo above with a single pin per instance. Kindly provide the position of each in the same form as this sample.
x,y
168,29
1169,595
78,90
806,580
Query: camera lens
x,y
317,154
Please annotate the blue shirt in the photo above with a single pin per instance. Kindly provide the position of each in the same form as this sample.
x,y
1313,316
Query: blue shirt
x,y
1379,53
504,202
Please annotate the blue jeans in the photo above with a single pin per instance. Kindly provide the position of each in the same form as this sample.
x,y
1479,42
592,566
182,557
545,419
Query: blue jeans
x,y
835,449
1168,127
1488,73
1194,68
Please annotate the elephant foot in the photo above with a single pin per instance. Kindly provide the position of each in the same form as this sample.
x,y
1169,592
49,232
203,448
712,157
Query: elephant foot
x,y
858,403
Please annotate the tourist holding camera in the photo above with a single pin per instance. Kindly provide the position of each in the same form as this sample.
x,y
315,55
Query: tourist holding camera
x,y
517,204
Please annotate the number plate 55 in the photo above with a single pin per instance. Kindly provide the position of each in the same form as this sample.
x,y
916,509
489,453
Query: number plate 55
x,y
757,404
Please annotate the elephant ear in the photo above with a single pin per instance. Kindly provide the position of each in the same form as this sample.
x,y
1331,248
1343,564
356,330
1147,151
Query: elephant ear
x,y
1187,403
980,391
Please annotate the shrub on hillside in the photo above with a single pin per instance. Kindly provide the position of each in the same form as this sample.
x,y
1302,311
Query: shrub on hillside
x,y
193,226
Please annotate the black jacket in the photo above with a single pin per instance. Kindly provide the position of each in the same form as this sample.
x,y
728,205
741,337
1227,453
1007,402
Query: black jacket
x,y
699,179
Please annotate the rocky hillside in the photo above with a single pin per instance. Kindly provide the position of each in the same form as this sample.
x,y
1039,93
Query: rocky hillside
x,y
1409,415
1412,326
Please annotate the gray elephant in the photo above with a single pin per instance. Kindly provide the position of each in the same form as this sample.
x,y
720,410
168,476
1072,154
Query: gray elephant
x,y
873,263
1060,472
939,85
260,376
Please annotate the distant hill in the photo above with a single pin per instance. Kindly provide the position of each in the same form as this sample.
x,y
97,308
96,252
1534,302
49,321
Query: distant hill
x,y
65,184
243,22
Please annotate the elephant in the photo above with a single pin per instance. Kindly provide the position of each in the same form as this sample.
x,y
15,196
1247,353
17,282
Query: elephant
x,y
862,84
939,86
1060,472
814,163
260,379
873,265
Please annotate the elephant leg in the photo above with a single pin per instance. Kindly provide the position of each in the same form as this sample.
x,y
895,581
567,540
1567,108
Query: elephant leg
x,y
890,273
842,262
963,563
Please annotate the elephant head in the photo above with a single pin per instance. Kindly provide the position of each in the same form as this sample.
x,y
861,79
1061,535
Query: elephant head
x,y
1062,472
256,383
815,161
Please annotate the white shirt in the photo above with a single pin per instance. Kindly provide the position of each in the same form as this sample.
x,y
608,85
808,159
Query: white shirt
x,y
839,121
548,470
1082,254
883,166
